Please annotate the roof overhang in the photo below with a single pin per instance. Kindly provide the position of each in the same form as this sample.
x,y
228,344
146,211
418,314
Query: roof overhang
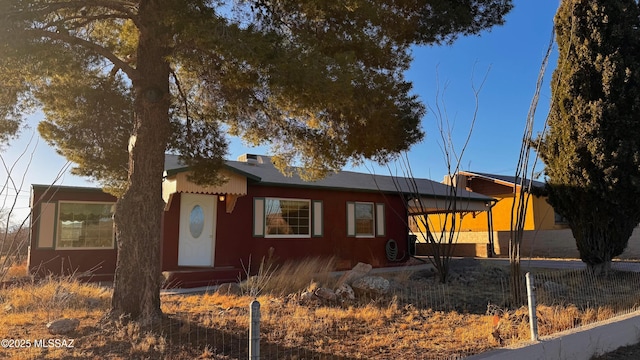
x,y
425,205
515,183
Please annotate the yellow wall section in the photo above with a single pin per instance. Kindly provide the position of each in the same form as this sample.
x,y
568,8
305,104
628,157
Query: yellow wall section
x,y
539,216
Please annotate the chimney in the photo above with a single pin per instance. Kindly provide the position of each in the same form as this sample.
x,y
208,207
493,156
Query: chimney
x,y
457,180
251,159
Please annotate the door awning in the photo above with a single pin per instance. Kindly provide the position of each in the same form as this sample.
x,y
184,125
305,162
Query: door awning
x,y
234,187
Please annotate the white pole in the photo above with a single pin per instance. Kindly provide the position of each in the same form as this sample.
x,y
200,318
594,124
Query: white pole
x,y
531,296
254,330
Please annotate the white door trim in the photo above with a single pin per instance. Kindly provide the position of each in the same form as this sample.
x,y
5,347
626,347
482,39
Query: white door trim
x,y
197,241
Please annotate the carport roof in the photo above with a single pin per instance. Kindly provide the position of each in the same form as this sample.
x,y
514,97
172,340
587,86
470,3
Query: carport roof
x,y
503,179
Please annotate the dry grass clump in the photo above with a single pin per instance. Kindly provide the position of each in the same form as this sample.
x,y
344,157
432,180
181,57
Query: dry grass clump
x,y
513,325
290,277
12,270
141,342
553,319
53,296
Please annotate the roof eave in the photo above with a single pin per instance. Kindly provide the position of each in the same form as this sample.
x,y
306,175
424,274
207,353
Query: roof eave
x,y
175,171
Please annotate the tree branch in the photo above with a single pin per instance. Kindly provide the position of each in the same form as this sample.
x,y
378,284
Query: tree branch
x,y
126,7
75,23
116,61
185,99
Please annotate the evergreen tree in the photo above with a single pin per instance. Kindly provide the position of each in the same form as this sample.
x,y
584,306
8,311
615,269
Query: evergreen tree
x,y
321,81
592,148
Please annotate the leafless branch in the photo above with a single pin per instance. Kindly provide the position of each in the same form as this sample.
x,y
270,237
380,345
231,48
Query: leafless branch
x,y
12,188
440,237
521,199
11,185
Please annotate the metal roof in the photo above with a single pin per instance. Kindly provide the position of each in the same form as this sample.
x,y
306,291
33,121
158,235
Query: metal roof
x,y
265,173
504,179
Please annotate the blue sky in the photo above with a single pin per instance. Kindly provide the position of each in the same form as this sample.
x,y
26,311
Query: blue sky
x,y
509,56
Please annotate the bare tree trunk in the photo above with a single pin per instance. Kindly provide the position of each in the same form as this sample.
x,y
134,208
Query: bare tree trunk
x,y
515,281
139,211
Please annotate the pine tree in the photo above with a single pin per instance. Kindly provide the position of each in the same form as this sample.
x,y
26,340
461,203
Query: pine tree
x,y
321,81
592,148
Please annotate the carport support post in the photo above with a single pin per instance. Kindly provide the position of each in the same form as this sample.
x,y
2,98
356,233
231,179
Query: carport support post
x,y
254,330
531,297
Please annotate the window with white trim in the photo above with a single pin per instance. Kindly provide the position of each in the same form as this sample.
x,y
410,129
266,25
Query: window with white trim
x,y
85,225
287,217
365,219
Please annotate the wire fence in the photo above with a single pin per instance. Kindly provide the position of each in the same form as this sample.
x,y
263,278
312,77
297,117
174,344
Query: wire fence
x,y
416,318
570,299
419,318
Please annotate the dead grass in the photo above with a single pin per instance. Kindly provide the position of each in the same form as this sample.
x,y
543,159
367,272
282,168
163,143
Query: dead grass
x,y
289,277
14,271
405,324
28,307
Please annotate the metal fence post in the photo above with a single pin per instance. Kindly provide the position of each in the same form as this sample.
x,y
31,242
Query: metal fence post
x,y
531,297
254,330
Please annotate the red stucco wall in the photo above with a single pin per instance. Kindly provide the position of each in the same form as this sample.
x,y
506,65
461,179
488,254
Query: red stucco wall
x,y
235,242
43,261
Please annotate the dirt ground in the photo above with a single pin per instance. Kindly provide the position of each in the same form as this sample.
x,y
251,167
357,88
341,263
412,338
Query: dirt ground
x,y
631,352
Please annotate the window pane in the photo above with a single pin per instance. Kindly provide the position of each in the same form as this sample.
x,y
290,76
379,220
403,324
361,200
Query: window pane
x,y
87,225
364,219
287,217
196,221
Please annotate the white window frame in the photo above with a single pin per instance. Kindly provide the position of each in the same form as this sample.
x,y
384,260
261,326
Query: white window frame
x,y
59,227
287,236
